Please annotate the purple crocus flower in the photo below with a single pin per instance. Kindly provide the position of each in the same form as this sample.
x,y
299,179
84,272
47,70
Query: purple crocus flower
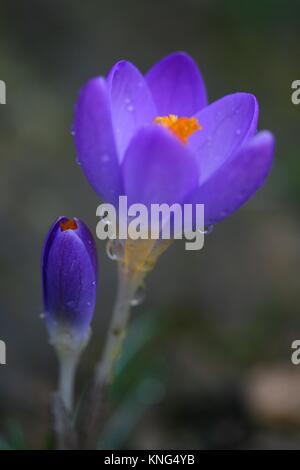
x,y
69,270
155,139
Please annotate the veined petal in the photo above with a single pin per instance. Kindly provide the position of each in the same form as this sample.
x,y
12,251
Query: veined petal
x,y
157,168
226,125
132,105
177,85
69,269
236,180
94,140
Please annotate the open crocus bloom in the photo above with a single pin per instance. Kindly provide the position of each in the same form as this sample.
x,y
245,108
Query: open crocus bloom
x,y
154,139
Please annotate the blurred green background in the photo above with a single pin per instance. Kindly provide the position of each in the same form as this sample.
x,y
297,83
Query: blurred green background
x,y
207,364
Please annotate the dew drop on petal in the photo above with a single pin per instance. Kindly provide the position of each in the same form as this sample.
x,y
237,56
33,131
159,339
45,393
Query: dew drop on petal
x,y
238,132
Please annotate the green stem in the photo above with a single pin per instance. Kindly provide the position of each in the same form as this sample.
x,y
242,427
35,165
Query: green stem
x,y
63,402
67,369
117,331
96,399
68,349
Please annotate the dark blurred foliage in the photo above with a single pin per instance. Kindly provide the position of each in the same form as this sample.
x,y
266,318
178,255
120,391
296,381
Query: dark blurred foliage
x,y
216,325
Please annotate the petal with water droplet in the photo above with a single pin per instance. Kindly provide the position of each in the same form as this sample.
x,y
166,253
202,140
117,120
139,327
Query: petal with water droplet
x,y
223,130
95,140
236,180
132,105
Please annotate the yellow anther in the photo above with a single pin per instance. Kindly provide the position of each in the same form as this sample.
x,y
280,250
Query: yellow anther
x,y
182,127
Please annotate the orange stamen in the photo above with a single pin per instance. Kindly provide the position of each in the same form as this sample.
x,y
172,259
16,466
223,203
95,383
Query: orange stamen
x,y
182,127
69,224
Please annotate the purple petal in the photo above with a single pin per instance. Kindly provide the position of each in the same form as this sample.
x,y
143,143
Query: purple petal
x,y
132,105
69,268
157,168
226,125
94,140
237,179
177,85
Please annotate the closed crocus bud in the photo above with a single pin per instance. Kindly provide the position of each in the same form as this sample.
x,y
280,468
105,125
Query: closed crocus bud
x,y
69,269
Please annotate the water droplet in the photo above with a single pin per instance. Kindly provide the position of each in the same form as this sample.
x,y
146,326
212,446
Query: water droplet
x,y
115,250
72,132
207,230
88,304
78,161
238,132
127,101
110,250
42,315
139,296
93,283
130,108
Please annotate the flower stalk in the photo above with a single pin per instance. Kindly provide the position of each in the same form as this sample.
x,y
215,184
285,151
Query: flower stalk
x,y
117,330
67,368
135,259
63,403
95,404
68,351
